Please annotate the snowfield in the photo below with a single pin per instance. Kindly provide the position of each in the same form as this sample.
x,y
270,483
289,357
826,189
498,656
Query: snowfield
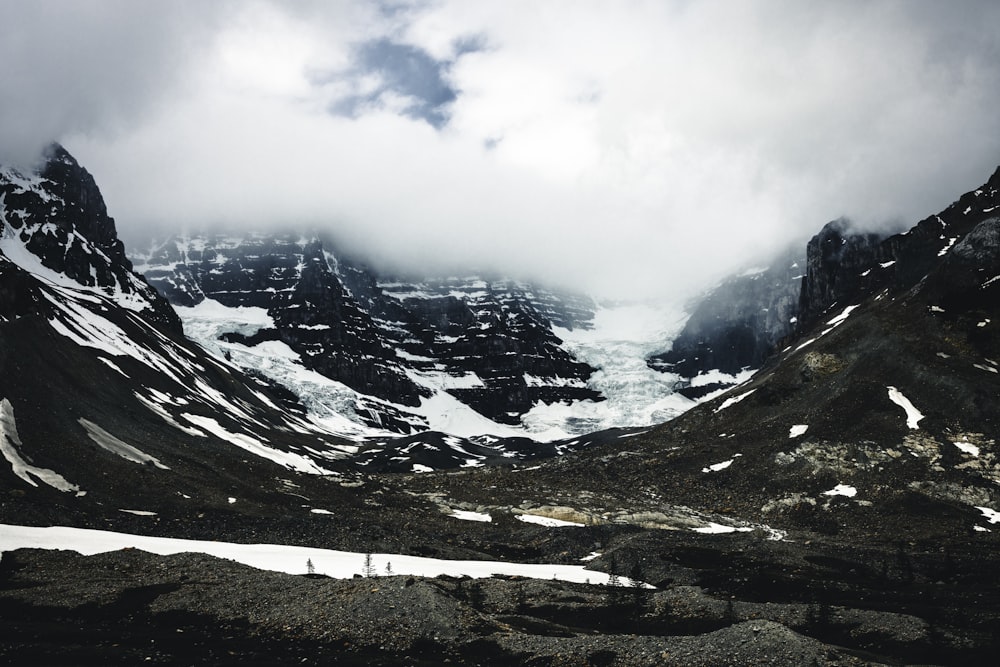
x,y
282,558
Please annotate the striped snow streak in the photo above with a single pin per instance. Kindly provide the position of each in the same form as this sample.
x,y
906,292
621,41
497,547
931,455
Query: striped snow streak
x,y
10,441
112,444
255,446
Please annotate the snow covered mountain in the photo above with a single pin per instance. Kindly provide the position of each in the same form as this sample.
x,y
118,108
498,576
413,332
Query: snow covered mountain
x,y
97,378
468,356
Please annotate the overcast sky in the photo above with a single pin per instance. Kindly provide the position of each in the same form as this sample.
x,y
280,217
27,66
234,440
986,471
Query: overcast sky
x,y
617,146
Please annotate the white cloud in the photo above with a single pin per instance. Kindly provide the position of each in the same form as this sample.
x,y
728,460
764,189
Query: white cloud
x,y
640,146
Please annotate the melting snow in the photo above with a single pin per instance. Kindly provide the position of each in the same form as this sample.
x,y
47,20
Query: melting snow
x,y
832,324
797,430
733,400
839,319
842,490
159,410
546,521
967,447
112,444
913,416
255,446
717,528
112,365
715,376
716,467
808,342
990,514
139,512
944,250
467,515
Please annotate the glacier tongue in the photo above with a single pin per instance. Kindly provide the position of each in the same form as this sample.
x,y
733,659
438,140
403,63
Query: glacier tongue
x,y
622,337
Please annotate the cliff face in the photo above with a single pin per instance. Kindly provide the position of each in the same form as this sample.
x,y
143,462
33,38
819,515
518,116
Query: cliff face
x,y
836,263
738,324
844,268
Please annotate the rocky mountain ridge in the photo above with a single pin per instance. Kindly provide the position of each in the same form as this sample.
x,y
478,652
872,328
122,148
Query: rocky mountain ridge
x,y
58,219
488,343
96,375
739,324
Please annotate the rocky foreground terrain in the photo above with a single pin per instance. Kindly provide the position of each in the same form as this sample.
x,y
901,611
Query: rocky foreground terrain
x,y
733,600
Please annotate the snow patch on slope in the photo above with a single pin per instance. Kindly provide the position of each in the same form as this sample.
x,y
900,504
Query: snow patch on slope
x,y
285,558
10,443
117,447
913,416
733,400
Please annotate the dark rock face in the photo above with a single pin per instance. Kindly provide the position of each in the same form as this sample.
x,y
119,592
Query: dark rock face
x,y
499,331
836,260
489,343
845,268
59,216
738,324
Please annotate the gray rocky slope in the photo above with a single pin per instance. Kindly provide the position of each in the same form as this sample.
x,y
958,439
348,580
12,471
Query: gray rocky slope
x,y
836,509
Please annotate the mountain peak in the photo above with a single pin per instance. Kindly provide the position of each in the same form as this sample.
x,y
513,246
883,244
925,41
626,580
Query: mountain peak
x,y
55,225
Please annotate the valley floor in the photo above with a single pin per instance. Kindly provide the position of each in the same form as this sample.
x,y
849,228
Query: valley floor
x,y
729,599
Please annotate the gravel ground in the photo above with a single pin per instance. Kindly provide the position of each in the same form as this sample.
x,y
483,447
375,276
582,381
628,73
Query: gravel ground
x,y
131,607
